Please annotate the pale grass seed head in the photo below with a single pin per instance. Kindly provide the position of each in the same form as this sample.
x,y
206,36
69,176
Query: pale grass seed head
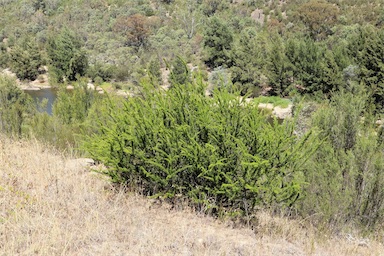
x,y
53,205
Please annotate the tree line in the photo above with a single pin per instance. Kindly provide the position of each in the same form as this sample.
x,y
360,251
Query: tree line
x,y
306,47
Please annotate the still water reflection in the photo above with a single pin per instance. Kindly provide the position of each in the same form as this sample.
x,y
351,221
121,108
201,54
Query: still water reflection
x,y
39,95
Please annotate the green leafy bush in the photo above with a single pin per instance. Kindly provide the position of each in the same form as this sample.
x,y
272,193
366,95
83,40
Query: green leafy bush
x,y
154,72
346,173
219,152
15,107
72,107
101,71
71,111
67,58
180,73
25,60
218,40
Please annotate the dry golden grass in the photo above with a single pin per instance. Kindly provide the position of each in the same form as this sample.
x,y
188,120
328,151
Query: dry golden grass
x,y
52,205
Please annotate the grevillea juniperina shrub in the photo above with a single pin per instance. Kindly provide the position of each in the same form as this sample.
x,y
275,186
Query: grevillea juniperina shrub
x,y
220,153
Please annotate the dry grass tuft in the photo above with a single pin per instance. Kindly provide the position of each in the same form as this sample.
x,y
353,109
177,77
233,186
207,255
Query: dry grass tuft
x,y
51,205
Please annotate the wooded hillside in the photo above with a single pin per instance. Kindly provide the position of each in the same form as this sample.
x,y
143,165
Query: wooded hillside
x,y
270,47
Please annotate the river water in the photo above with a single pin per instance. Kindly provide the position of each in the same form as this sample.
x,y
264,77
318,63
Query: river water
x,y
51,94
47,93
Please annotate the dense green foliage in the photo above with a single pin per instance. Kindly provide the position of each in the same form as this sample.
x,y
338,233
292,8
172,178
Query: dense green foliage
x,y
267,47
14,107
154,72
68,60
73,108
180,73
220,152
319,17
218,40
71,113
20,117
25,60
346,173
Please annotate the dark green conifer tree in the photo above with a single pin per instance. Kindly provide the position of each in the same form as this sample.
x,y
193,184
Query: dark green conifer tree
x,y
180,73
218,40
154,71
279,70
248,61
67,57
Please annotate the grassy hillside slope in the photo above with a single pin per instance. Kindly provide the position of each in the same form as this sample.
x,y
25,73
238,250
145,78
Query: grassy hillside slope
x,y
52,205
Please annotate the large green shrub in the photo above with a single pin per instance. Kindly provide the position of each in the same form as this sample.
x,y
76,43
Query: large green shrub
x,y
67,58
218,40
25,59
366,46
180,73
220,152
